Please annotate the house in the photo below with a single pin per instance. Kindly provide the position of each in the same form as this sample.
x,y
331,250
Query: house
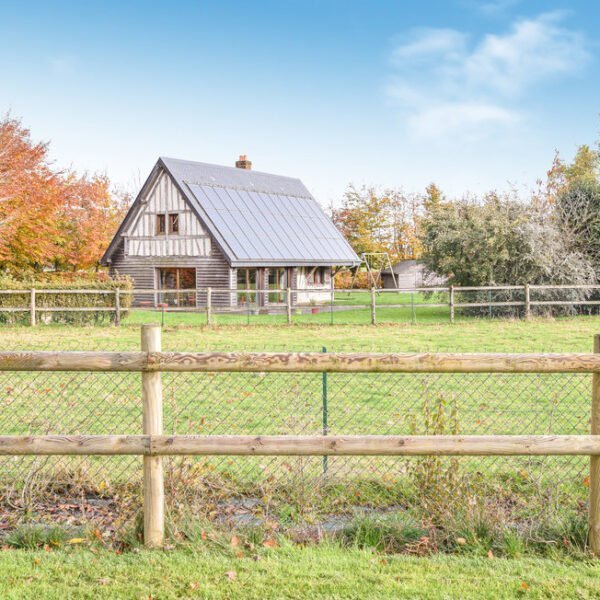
x,y
195,225
410,274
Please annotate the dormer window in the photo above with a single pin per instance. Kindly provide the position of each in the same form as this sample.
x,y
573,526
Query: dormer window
x,y
172,219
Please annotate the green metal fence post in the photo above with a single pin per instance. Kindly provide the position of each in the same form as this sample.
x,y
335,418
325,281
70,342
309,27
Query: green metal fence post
x,y
412,306
325,425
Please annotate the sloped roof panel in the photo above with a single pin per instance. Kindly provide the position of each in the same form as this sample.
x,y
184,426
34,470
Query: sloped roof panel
x,y
262,227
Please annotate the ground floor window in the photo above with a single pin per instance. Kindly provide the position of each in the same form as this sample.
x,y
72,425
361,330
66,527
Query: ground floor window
x,y
317,276
177,279
246,280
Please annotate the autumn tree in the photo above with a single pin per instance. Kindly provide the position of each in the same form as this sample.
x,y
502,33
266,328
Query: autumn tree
x,y
381,221
49,218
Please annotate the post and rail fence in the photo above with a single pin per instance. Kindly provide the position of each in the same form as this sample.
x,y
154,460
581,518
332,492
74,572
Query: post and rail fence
x,y
153,444
116,308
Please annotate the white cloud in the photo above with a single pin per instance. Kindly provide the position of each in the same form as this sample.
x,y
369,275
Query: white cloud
x,y
471,117
445,82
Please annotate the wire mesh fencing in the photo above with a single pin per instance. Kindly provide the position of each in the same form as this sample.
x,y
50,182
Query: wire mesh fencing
x,y
103,492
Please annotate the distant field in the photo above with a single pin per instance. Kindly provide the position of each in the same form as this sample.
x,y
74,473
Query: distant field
x,y
567,334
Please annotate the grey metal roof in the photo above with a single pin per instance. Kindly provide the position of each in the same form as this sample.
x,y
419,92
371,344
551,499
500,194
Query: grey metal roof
x,y
260,219
203,173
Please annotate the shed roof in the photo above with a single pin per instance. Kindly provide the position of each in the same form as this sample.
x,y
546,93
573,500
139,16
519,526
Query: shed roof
x,y
259,219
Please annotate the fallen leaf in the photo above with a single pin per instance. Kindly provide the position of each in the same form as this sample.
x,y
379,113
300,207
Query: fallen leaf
x,y
461,541
270,544
490,554
194,585
231,575
586,482
235,541
76,541
524,585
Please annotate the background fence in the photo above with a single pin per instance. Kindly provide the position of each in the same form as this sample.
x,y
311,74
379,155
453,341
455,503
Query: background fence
x,y
523,491
234,306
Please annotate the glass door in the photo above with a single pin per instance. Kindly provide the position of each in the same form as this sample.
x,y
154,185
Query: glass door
x,y
277,281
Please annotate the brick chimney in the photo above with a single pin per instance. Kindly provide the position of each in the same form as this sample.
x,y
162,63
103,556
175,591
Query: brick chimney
x,y
243,162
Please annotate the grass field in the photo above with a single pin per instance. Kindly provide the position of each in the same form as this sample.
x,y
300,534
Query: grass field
x,y
324,571
195,569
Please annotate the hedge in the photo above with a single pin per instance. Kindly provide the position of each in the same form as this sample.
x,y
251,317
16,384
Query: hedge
x,y
63,300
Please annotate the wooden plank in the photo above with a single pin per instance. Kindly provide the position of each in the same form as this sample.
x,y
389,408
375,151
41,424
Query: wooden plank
x,y
154,492
317,362
566,287
564,302
208,306
32,316
73,361
373,307
311,362
117,307
594,508
486,304
50,445
42,309
393,445
153,446
82,291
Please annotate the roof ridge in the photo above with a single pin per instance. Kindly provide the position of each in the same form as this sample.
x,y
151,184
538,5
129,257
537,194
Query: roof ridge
x,y
236,169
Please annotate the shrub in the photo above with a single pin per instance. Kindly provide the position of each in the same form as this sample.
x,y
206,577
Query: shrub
x,y
501,241
63,283
345,280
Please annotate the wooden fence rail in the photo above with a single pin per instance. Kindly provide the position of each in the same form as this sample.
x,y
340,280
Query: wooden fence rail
x,y
34,308
153,444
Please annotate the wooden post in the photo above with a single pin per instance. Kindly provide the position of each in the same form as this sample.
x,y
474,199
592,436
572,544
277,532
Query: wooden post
x,y
373,307
527,302
451,304
154,493
289,306
117,307
594,514
209,306
32,320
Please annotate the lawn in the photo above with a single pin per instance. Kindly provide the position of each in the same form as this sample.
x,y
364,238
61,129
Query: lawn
x,y
289,572
566,334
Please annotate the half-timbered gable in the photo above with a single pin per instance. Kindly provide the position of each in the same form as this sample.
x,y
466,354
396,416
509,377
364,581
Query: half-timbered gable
x,y
165,225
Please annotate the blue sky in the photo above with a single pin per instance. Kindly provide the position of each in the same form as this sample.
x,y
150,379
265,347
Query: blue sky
x,y
471,95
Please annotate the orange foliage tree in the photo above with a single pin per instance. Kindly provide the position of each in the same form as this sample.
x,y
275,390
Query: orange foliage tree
x,y
49,219
381,221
